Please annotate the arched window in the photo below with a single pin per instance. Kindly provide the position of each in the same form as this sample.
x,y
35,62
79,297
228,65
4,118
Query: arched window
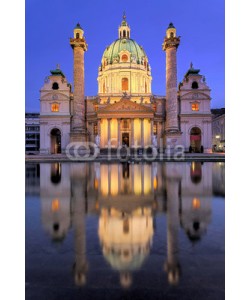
x,y
55,86
103,88
146,88
124,58
124,84
195,85
77,35
55,107
124,33
171,34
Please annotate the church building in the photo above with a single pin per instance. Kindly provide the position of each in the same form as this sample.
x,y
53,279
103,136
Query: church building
x,y
125,112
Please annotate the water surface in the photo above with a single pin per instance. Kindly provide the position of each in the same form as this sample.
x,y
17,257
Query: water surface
x,y
125,231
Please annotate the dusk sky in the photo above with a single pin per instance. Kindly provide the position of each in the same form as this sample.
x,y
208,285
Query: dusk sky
x,y
50,24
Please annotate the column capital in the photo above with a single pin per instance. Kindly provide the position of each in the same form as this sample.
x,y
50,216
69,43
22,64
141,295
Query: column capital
x,y
170,43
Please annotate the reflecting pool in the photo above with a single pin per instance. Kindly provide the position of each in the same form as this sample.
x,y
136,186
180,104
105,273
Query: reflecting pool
x,y
125,231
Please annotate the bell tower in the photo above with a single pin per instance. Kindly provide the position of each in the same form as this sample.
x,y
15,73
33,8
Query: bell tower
x,y
78,125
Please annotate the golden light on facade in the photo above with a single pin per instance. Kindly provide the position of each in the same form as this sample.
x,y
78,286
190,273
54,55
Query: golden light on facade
x,y
196,204
96,184
97,205
55,205
155,183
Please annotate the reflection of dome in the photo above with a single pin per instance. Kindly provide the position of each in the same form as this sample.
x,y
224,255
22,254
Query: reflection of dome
x,y
127,259
125,239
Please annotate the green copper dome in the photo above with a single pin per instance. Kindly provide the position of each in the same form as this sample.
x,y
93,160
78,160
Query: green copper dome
x,y
111,53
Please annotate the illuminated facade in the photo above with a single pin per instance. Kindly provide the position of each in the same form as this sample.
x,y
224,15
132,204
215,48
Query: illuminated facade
x,y
125,112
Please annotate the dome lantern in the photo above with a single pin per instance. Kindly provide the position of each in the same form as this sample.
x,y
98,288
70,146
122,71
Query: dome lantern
x,y
78,31
124,29
171,31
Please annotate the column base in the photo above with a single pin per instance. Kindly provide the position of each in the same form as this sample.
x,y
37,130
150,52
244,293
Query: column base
x,y
44,152
173,141
78,136
208,150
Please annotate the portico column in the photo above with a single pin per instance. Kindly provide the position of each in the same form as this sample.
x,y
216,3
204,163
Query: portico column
x,y
152,126
142,133
98,127
118,132
109,133
132,133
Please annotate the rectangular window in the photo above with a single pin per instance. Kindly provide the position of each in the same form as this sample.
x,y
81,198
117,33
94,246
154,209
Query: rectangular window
x,y
125,124
55,107
124,84
195,106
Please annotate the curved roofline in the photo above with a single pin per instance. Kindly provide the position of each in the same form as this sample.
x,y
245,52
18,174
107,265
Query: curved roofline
x,y
128,39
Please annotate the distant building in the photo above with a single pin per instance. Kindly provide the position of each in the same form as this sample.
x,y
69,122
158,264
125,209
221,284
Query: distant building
x,y
32,133
218,129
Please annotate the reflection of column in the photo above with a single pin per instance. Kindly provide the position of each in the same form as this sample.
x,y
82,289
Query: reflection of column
x,y
109,133
142,133
109,180
118,131
119,178
142,179
132,133
172,264
78,219
132,178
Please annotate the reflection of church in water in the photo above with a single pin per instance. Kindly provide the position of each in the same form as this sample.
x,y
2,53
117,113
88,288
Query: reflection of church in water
x,y
126,198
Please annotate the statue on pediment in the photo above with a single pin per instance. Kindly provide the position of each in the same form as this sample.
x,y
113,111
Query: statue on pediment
x,y
97,140
154,140
126,96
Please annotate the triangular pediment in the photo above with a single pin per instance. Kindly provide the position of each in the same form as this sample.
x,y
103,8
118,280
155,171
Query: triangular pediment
x,y
197,95
125,105
54,96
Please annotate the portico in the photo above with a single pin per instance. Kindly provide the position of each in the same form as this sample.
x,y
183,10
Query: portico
x,y
125,123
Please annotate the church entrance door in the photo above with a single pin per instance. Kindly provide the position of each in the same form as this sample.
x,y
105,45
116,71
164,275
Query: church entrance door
x,y
55,136
195,139
125,139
